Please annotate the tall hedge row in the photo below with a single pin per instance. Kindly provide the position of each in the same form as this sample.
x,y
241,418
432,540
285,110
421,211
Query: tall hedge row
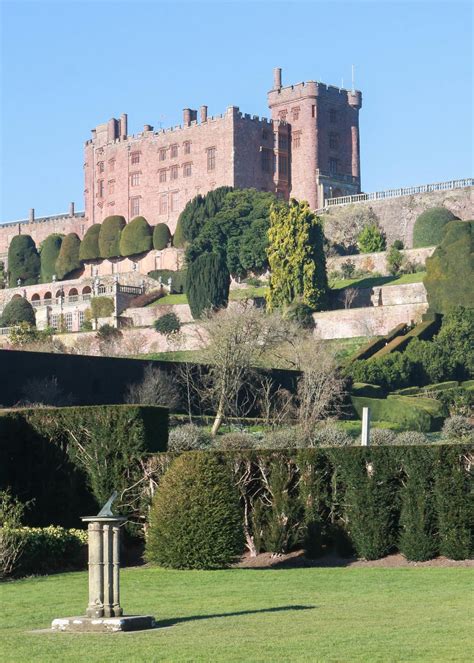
x,y
109,236
371,501
136,237
49,252
69,460
90,244
23,261
68,260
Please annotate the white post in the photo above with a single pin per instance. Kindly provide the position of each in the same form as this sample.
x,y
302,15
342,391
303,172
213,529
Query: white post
x,y
365,437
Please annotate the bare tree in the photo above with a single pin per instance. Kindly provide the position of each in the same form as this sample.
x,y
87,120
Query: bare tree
x,y
156,388
238,340
348,297
320,388
133,343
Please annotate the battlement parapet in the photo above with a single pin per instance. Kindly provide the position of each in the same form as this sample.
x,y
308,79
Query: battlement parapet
x,y
44,219
311,89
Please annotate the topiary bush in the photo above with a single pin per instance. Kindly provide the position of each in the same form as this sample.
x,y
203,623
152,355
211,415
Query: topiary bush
x,y
49,252
195,519
331,436
136,237
109,236
429,226
23,261
89,249
68,260
16,311
450,270
161,236
411,437
458,429
207,284
167,324
382,436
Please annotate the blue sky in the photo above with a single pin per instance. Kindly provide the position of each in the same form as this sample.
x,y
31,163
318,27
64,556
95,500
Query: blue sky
x,y
68,66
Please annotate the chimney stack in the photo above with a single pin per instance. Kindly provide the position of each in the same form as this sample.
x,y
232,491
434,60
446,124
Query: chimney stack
x,y
123,125
203,112
32,215
71,209
186,117
277,78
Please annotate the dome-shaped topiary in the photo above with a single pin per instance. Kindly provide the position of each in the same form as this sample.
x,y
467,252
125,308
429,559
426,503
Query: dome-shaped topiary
x,y
161,236
195,519
109,236
18,310
90,244
68,259
136,237
49,252
23,261
429,226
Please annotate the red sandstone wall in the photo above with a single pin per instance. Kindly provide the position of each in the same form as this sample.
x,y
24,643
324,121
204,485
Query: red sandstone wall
x,y
39,230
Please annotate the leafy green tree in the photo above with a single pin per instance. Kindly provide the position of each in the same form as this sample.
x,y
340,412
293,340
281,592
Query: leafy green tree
x,y
394,260
196,213
296,257
16,311
371,240
136,237
207,284
195,520
450,270
455,340
49,252
90,244
102,307
161,236
68,260
429,226
109,236
23,261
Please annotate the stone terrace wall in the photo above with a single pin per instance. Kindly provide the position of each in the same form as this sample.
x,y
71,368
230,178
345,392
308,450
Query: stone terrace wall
x,y
377,262
397,216
370,321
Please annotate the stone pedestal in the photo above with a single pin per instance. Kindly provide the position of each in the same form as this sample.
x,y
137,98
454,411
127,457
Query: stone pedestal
x,y
104,612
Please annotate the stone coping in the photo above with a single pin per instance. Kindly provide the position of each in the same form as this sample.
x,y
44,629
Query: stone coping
x,y
103,624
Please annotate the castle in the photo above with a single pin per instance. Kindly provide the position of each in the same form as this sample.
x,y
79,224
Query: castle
x,y
308,149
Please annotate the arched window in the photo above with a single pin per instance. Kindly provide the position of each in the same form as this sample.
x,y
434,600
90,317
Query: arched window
x,y
36,300
47,296
73,291
87,290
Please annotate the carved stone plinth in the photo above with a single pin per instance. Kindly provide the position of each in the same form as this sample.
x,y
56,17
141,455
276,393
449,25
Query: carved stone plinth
x,y
104,624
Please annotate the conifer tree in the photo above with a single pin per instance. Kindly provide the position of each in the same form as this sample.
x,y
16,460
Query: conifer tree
x,y
207,284
49,252
109,236
296,256
90,244
23,261
68,259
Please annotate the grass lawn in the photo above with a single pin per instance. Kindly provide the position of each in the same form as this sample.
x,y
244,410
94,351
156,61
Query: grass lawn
x,y
371,281
234,295
340,614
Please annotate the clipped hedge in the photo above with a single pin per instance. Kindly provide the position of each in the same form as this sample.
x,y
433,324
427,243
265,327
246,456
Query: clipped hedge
x,y
366,389
424,331
23,261
68,260
89,249
69,460
49,549
49,252
161,236
109,236
136,237
376,344
420,414
429,226
371,500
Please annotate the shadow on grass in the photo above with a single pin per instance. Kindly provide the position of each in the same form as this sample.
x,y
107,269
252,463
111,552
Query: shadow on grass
x,y
193,618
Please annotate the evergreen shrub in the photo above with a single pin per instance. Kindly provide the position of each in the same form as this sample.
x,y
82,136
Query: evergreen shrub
x,y
207,284
161,236
68,260
178,279
371,239
167,324
49,252
429,226
136,237
109,236
89,249
195,519
189,437
16,311
23,261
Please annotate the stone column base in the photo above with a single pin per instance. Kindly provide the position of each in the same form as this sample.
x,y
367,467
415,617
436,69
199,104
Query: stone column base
x,y
103,624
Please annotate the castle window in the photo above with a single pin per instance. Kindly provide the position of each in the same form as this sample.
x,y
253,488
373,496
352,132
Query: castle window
x,y
211,158
162,154
174,151
313,111
111,186
332,115
187,170
333,141
174,173
266,160
283,141
101,166
296,140
100,188
187,146
134,179
162,175
111,165
333,166
295,113
135,158
164,203
282,114
174,201
134,206
283,165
